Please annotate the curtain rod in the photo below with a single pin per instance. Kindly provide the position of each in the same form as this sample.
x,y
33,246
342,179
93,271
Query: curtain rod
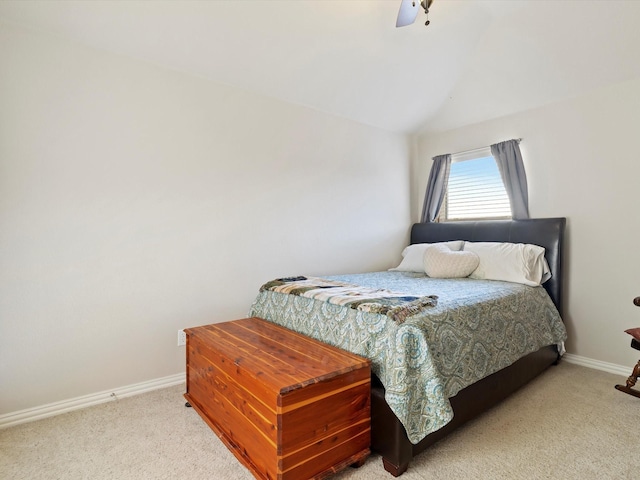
x,y
474,150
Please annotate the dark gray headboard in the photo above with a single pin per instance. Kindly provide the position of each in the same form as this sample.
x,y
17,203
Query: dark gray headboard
x,y
546,232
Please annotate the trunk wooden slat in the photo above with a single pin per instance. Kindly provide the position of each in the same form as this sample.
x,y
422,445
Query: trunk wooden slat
x,y
288,407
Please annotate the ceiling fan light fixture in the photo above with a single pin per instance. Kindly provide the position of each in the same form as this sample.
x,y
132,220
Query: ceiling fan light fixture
x,y
409,11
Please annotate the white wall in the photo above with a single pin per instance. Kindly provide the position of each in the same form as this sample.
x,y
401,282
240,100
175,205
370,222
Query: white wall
x,y
135,201
581,158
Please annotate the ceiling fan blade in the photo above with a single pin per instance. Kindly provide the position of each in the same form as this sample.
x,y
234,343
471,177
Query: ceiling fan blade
x,y
408,12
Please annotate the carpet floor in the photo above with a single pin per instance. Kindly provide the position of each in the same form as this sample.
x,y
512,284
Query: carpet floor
x,y
569,423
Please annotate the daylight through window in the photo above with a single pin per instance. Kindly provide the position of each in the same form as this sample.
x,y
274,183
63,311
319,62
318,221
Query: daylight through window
x,y
475,189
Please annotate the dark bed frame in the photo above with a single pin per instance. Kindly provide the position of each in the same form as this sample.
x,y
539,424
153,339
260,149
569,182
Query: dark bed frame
x,y
388,436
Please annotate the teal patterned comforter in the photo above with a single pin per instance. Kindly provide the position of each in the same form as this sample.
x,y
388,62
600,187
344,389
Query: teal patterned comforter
x,y
477,328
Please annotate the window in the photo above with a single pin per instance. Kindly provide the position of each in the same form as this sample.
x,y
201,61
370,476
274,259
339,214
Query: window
x,y
475,189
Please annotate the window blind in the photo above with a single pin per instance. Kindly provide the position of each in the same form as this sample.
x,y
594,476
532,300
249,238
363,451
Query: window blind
x,y
475,189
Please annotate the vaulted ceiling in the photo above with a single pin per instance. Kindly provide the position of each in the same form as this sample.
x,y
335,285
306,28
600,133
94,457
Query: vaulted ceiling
x,y
478,59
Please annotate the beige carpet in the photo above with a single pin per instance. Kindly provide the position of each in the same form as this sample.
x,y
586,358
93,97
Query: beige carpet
x,y
570,423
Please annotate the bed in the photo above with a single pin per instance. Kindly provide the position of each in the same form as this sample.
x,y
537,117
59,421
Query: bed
x,y
431,373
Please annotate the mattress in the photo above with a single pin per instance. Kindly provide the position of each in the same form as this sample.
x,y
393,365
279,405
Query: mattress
x,y
476,328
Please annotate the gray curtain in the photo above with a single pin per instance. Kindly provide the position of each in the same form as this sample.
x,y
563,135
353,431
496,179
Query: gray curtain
x,y
509,160
436,187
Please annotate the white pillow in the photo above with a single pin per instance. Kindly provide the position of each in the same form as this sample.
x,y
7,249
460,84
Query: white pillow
x,y
442,262
413,255
512,262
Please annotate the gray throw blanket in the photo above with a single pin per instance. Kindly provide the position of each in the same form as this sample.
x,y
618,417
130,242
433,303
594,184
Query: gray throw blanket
x,y
396,306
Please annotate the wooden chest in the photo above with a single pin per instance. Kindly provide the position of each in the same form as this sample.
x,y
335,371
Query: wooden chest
x,y
287,406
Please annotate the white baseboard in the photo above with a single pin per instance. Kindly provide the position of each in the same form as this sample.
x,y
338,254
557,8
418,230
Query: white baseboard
x,y
597,364
51,409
